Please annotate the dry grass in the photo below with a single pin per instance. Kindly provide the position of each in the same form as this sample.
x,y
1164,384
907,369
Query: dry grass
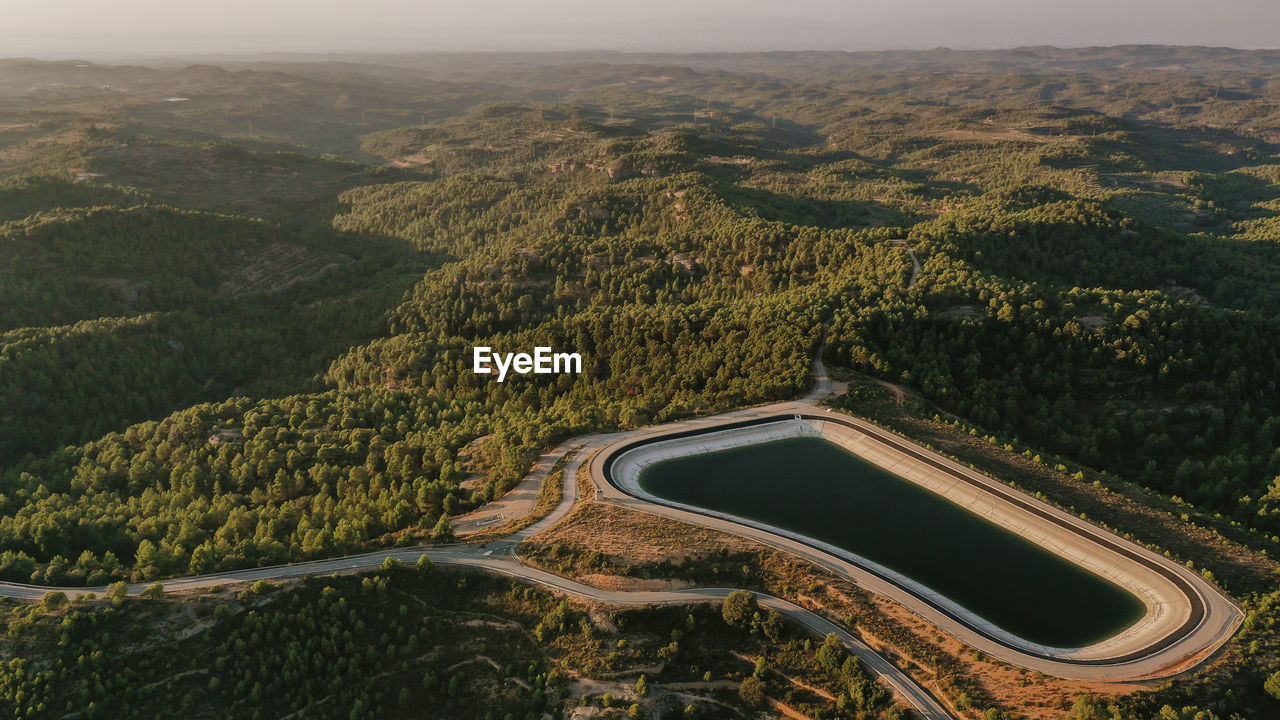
x,y
641,549
1004,135
628,537
633,542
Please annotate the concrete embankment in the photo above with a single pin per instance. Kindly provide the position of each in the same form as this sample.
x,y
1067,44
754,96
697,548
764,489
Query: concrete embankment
x,y
1186,618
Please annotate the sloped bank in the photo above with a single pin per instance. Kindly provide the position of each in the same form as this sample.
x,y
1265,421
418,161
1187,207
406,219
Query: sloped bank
x,y
1185,619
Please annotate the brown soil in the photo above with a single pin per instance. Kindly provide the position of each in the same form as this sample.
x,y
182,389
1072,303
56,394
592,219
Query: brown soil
x,y
277,267
1003,134
631,538
1181,292
635,538
1093,322
962,312
615,582
1033,695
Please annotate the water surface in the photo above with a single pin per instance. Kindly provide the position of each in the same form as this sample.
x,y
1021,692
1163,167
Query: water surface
x,y
819,489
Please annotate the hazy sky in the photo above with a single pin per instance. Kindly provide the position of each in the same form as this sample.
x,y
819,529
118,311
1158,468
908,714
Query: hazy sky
x,y
94,28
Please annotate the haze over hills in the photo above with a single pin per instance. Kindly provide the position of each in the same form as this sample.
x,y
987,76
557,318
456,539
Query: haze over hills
x,y
238,300
146,28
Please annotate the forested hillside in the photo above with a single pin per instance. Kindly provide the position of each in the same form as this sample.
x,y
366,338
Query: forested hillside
x,y
237,306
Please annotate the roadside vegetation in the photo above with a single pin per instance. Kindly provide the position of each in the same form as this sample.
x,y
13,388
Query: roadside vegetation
x,y
407,641
237,331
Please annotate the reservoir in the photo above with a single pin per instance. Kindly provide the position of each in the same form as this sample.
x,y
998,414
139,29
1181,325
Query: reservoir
x,y
812,487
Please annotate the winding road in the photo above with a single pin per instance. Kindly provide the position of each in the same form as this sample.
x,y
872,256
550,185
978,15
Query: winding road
x,y
1220,620
499,557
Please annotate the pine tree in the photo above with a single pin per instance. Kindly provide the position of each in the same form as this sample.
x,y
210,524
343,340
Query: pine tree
x,y
443,531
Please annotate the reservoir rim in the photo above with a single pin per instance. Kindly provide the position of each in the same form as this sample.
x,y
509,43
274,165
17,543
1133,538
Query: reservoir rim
x,y
1197,608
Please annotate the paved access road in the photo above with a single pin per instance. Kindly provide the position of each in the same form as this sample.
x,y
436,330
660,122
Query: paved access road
x,y
499,557
1208,617
1221,619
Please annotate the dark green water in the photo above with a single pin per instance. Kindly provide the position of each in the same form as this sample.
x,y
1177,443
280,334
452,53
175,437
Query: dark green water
x,y
818,489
